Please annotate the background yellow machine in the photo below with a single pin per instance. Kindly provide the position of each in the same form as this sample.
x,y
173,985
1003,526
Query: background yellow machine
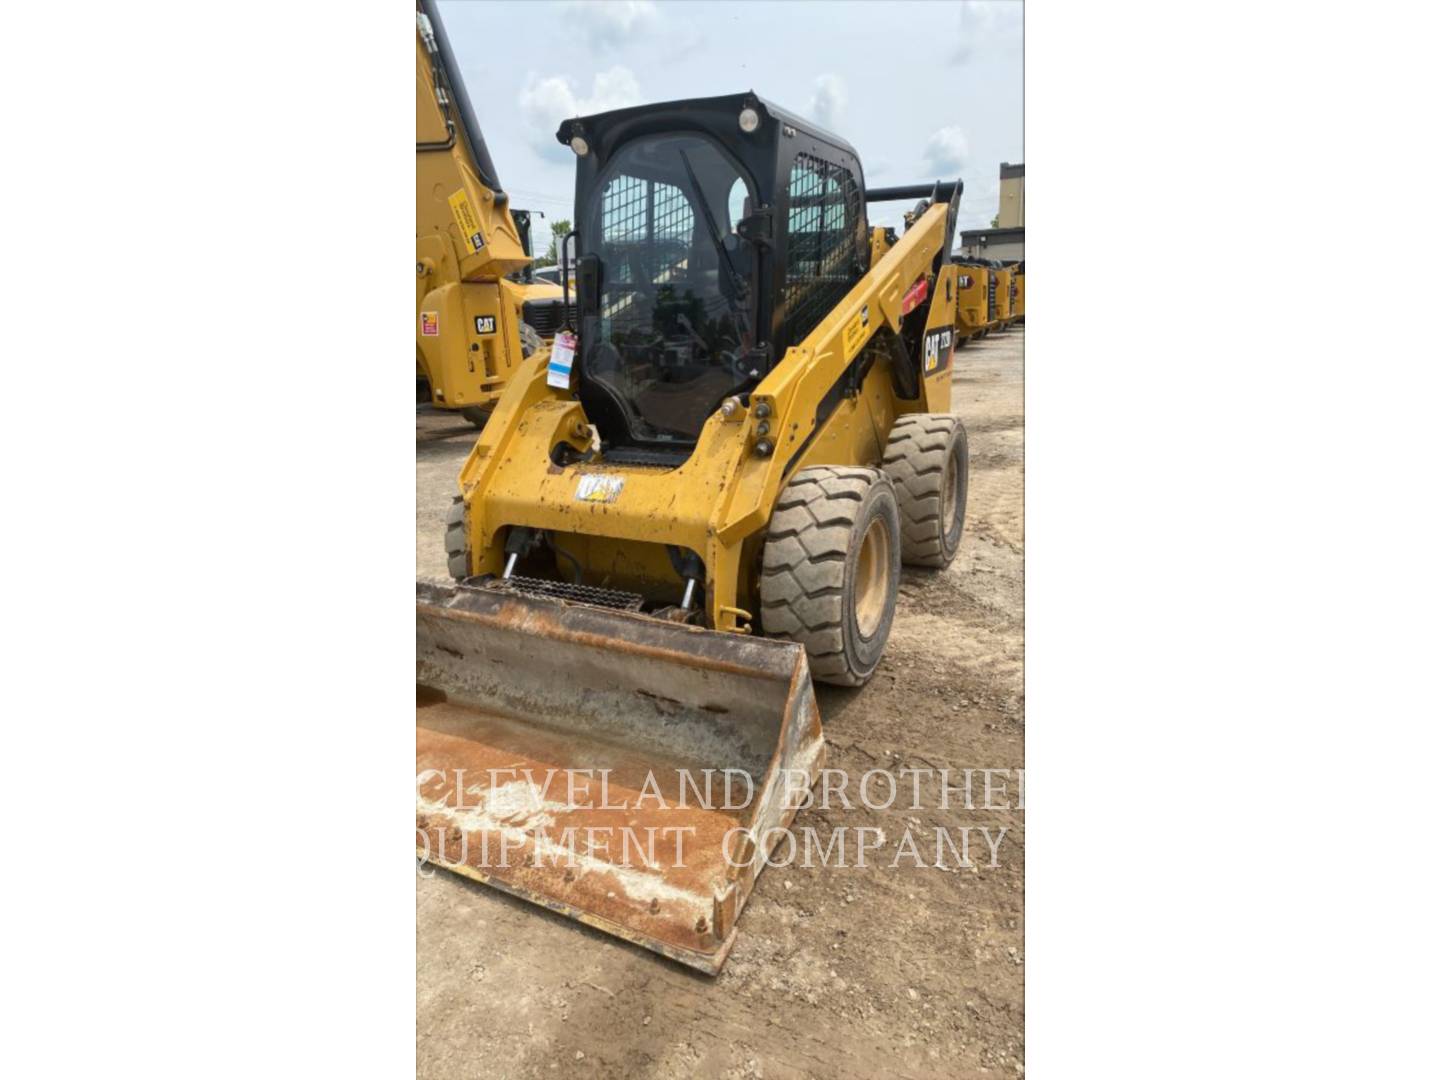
x,y
660,542
972,312
474,321
1002,277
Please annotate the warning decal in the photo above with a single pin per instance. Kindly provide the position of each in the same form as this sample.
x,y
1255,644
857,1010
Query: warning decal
x,y
599,488
467,222
430,323
857,331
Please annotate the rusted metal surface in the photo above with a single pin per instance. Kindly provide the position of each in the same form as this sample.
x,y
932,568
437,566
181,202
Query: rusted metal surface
x,y
578,758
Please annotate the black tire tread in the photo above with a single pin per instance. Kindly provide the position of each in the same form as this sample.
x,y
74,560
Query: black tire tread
x,y
802,577
914,459
455,550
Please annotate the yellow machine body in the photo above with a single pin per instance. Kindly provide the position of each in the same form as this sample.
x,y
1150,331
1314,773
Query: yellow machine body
x,y
1002,276
972,310
554,669
1018,310
467,313
719,502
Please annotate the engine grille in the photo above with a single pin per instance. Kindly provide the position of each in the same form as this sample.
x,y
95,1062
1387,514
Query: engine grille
x,y
575,594
547,316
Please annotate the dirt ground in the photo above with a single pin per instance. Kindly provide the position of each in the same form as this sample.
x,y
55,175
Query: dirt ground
x,y
892,969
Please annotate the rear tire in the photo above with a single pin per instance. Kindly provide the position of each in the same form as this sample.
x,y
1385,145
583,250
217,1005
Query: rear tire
x,y
928,460
476,415
457,552
831,569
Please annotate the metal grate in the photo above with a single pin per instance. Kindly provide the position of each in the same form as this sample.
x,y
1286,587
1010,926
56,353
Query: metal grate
x,y
823,260
547,316
575,594
646,227
666,458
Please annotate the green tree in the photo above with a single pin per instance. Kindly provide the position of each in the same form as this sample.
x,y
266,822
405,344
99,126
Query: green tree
x,y
995,222
558,228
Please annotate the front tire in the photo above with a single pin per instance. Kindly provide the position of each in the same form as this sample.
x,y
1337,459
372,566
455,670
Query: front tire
x,y
457,552
831,570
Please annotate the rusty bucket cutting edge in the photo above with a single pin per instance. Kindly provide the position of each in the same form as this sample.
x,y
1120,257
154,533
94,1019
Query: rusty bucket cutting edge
x,y
620,770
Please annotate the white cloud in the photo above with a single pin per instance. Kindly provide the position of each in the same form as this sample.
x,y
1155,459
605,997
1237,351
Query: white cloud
x,y
544,102
946,151
980,202
609,22
828,101
614,89
986,27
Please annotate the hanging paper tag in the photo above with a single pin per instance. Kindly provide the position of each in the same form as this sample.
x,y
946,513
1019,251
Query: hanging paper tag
x,y
562,360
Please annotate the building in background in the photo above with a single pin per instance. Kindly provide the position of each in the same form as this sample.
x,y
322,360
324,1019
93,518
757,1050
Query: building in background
x,y
1012,196
1006,240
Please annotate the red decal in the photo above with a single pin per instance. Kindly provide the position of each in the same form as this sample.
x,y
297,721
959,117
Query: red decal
x,y
915,297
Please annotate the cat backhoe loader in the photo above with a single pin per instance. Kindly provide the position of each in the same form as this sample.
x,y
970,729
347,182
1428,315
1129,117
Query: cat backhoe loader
x,y
672,525
1018,287
474,324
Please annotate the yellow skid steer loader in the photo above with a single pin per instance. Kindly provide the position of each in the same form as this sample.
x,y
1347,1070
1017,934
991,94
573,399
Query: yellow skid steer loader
x,y
972,313
670,527
1002,276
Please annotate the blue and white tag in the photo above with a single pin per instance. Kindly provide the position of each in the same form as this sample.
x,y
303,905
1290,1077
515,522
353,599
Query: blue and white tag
x,y
562,360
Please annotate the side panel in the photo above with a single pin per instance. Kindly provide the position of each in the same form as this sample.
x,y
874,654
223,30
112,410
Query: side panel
x,y
1002,295
856,432
469,340
938,345
970,313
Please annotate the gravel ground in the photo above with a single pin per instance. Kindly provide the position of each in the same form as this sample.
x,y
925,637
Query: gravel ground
x,y
891,969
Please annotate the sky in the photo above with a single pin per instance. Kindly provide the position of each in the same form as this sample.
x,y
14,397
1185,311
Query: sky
x,y
923,90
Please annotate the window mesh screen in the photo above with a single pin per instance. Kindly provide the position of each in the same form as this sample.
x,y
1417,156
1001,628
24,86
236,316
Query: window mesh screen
x,y
646,228
823,261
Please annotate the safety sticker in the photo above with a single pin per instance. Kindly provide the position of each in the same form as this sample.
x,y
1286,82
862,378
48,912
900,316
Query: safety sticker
x,y
856,332
599,488
429,324
468,223
484,324
938,346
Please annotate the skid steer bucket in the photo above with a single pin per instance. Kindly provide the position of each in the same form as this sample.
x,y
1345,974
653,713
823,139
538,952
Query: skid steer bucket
x,y
622,770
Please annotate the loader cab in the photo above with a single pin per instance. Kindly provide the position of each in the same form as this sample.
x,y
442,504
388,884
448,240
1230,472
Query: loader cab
x,y
713,234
